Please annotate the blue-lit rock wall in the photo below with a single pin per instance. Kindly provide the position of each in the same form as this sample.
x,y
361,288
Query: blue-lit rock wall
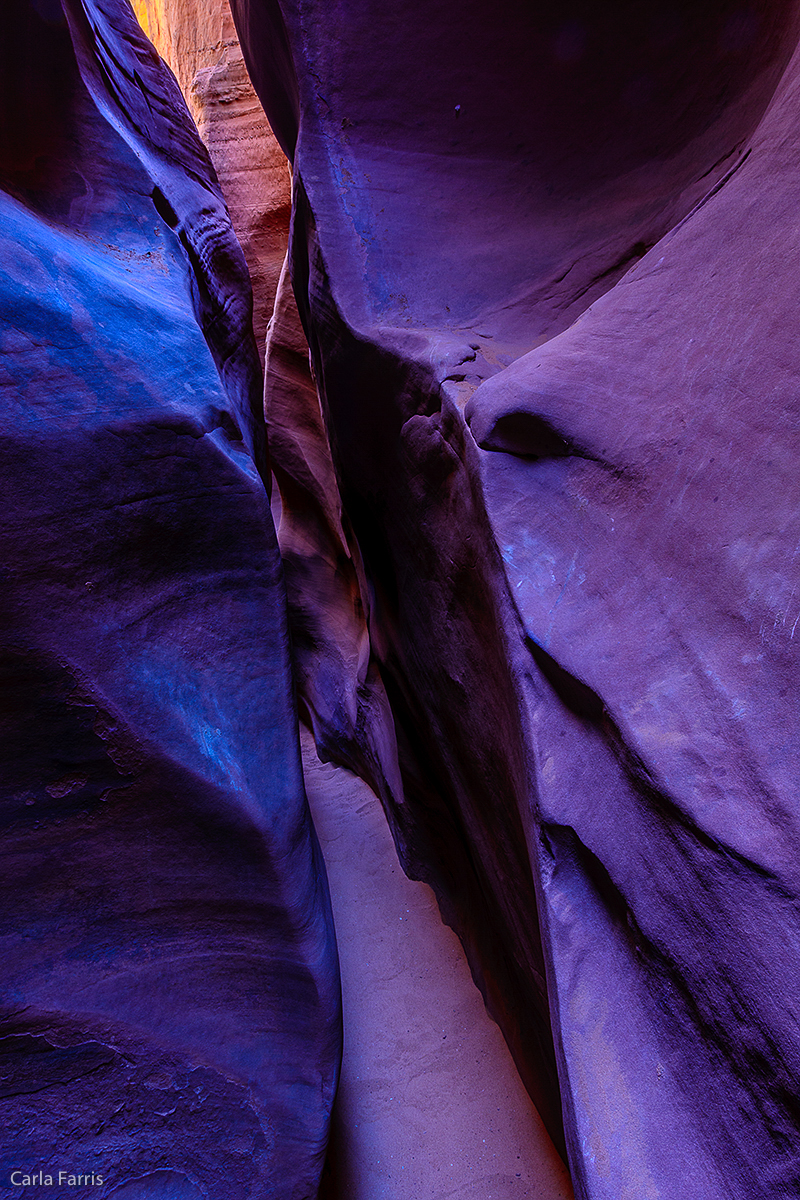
x,y
170,981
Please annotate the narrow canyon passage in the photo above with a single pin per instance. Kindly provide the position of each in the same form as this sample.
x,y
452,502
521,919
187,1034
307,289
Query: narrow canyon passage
x,y
430,1105
459,417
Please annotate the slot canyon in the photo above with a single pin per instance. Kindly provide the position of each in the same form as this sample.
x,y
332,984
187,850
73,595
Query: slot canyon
x,y
401,575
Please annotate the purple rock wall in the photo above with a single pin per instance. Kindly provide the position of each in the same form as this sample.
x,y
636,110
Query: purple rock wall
x,y
658,598
170,984
588,686
539,524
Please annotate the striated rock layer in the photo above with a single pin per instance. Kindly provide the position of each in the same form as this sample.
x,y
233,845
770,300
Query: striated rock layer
x,y
339,691
170,1004
198,41
584,630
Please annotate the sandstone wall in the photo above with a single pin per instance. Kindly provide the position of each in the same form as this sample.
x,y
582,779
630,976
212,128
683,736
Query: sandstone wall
x,y
538,506
197,39
170,1011
580,620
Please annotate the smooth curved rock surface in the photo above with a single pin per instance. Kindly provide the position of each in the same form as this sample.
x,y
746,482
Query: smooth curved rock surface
x,y
566,660
578,739
493,168
171,1012
653,557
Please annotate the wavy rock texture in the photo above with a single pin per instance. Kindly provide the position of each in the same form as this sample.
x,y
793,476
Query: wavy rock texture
x,y
584,630
171,1012
658,595
198,41
341,694
539,525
